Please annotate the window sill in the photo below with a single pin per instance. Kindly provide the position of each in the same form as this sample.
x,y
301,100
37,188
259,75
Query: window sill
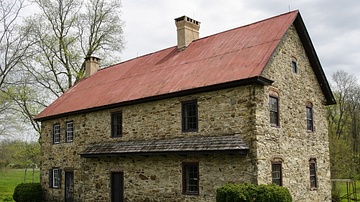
x,y
191,193
313,189
275,126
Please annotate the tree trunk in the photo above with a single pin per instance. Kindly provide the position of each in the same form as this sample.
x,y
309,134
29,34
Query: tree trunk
x,y
25,174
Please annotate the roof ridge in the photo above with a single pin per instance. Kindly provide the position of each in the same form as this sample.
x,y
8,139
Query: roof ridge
x,y
199,39
247,25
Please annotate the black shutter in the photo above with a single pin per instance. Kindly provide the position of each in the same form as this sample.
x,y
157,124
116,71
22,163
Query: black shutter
x,y
60,178
50,178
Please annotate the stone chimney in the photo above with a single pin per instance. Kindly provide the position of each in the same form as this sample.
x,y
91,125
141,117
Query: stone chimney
x,y
187,31
91,65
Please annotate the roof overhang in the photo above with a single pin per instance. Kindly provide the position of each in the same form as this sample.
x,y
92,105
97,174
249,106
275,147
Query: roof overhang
x,y
231,84
228,144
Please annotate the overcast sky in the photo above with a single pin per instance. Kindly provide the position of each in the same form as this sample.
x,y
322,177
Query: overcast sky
x,y
333,25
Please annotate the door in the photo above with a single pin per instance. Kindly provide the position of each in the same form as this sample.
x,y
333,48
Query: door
x,y
117,187
69,186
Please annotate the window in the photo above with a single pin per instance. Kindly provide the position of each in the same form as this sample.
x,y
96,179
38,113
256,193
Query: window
x,y
69,131
56,133
189,116
294,66
116,124
276,172
312,168
190,175
55,178
274,110
309,118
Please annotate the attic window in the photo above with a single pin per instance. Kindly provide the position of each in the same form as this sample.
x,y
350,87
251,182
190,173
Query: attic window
x,y
294,66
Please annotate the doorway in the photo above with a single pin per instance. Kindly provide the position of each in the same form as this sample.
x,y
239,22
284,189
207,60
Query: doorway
x,y
69,186
117,186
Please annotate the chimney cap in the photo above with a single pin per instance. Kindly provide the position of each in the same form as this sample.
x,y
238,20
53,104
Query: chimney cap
x,y
92,58
183,18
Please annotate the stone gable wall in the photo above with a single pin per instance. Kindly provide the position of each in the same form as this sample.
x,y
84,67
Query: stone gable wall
x,y
291,142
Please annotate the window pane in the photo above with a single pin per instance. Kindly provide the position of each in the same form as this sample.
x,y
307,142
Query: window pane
x,y
56,136
69,131
309,119
294,66
189,116
274,110
190,178
276,174
56,178
116,124
312,169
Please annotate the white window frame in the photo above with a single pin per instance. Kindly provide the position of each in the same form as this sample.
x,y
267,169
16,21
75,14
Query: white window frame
x,y
70,131
56,135
56,178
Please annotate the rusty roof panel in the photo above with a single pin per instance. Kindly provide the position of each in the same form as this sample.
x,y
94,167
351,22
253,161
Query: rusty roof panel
x,y
232,55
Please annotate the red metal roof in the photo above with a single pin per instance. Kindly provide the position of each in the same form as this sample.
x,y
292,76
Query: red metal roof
x,y
232,55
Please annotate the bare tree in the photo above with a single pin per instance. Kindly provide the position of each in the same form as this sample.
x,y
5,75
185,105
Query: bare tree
x,y
14,46
344,126
343,85
70,30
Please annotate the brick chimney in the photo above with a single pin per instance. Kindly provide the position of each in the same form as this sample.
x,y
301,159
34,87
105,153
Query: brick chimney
x,y
91,65
187,31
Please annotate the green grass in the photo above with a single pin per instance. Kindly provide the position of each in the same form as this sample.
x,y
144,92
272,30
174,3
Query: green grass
x,y
341,186
9,178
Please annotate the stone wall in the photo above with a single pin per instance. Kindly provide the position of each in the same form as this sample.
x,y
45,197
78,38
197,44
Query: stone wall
x,y
291,141
220,112
158,178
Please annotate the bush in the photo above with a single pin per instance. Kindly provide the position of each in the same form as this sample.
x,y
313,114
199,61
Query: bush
x,y
252,193
29,192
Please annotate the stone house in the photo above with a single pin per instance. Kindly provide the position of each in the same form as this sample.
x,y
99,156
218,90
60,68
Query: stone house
x,y
244,105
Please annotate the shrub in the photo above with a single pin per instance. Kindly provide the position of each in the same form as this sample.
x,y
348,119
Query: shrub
x,y
252,193
29,192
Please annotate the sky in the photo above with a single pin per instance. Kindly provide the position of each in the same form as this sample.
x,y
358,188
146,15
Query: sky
x,y
333,25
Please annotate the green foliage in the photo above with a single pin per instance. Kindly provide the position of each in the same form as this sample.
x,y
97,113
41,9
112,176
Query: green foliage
x,y
251,193
19,154
28,192
10,178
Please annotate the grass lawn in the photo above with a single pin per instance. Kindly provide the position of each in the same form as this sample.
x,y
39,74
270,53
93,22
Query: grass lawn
x,y
342,188
9,178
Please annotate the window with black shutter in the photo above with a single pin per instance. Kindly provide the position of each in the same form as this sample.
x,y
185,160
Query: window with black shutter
x,y
55,178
